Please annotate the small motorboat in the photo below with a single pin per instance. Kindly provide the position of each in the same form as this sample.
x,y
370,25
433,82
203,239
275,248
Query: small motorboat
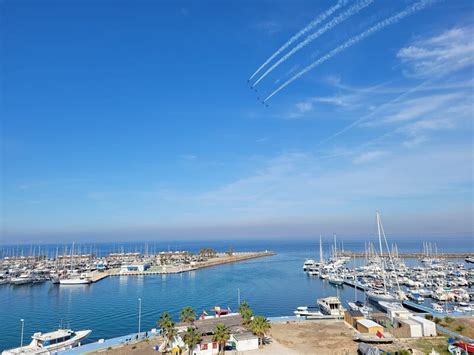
x,y
465,346
375,338
308,312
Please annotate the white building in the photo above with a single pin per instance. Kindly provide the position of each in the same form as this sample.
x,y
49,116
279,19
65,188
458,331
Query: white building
x,y
244,341
428,327
134,267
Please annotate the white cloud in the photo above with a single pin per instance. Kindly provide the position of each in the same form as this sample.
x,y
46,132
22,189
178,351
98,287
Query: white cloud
x,y
370,156
446,53
419,107
301,184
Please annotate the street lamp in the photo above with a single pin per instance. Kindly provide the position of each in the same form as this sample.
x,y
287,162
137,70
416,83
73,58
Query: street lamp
x,y
139,315
22,328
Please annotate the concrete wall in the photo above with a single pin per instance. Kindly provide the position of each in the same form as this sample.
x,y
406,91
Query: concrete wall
x,y
247,344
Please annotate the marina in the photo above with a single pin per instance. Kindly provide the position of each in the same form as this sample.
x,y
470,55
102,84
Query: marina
x,y
84,269
275,285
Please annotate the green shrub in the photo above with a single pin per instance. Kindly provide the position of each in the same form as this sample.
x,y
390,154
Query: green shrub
x,y
437,320
448,319
460,328
429,316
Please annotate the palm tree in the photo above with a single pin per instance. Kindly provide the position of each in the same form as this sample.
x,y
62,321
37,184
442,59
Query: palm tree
x,y
246,313
191,338
165,319
259,326
188,315
167,326
221,335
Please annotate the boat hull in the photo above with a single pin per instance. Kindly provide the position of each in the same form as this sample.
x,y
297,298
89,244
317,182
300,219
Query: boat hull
x,y
74,282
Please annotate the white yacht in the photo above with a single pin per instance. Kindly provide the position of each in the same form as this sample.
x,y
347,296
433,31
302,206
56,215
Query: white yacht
x,y
74,278
335,280
331,306
391,306
23,279
82,279
379,295
59,340
308,264
359,306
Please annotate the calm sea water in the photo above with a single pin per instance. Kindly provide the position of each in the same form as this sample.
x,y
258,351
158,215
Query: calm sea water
x,y
273,286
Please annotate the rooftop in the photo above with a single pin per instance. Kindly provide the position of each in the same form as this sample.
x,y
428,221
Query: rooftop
x,y
206,326
368,323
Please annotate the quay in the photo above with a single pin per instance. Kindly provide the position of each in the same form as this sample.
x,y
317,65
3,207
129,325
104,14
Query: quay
x,y
352,254
177,269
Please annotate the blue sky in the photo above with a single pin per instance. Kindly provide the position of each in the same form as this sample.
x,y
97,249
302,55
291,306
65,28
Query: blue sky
x,y
135,118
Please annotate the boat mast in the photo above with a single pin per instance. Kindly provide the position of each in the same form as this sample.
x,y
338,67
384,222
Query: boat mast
x,y
72,251
390,258
321,258
381,255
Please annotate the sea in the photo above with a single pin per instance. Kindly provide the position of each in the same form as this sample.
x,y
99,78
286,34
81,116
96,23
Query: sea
x,y
273,286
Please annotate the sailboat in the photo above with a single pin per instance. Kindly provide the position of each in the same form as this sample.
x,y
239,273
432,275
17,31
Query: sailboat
x,y
314,268
383,295
75,279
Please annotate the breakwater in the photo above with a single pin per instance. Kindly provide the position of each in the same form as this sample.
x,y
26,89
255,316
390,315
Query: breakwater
x,y
353,254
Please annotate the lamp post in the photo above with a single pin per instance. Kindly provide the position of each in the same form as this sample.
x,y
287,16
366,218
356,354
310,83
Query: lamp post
x,y
22,328
139,315
238,296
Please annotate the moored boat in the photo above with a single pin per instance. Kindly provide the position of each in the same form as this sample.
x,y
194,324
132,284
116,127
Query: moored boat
x,y
59,340
23,279
374,338
331,306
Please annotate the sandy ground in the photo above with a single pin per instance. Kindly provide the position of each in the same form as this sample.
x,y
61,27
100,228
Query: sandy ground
x,y
310,337
142,347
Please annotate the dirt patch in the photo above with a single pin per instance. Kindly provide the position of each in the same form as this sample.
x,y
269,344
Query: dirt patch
x,y
310,337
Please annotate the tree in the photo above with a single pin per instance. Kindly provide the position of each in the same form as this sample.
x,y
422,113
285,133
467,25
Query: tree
x,y
437,320
221,336
188,315
191,338
429,316
246,313
207,252
259,326
165,319
167,326
170,332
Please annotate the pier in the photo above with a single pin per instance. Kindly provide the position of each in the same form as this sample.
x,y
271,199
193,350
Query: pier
x,y
221,259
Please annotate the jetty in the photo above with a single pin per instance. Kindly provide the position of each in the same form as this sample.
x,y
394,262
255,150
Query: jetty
x,y
219,259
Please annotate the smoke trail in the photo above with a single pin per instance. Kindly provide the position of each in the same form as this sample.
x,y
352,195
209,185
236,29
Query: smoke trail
x,y
331,24
379,26
308,28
